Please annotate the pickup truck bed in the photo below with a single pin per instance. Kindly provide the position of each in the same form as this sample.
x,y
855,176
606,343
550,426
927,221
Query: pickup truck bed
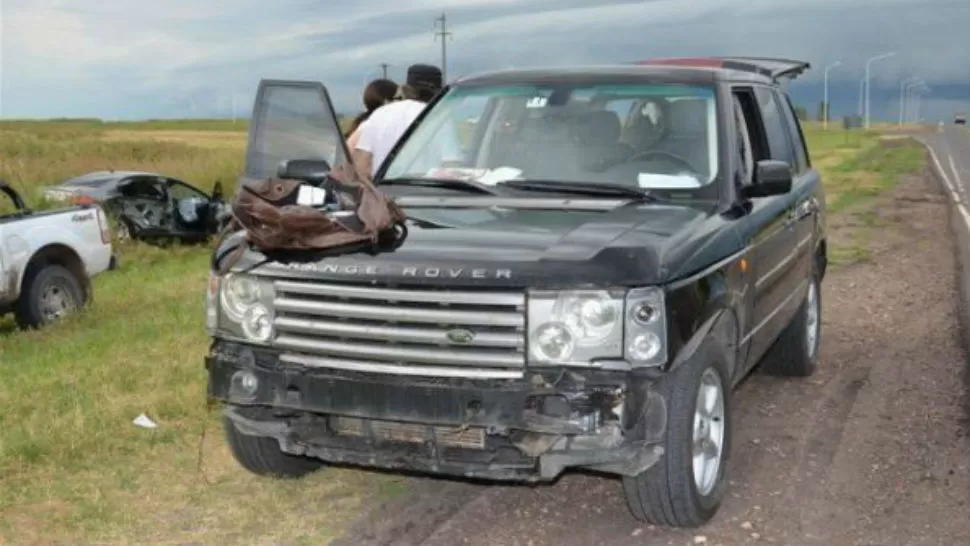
x,y
48,258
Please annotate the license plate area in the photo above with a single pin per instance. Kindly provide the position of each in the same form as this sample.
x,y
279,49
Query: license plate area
x,y
392,431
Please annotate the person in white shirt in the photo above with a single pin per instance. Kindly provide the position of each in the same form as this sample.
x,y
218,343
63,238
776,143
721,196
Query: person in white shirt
x,y
381,131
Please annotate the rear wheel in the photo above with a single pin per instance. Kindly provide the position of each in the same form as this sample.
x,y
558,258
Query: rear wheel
x,y
50,292
795,354
262,456
685,488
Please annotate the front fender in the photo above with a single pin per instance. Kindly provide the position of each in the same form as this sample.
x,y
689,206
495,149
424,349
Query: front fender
x,y
707,304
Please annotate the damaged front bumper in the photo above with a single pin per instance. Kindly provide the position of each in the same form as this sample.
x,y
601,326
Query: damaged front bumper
x,y
529,429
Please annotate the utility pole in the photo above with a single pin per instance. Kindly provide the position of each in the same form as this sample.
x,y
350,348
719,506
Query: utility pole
x,y
445,35
384,70
825,100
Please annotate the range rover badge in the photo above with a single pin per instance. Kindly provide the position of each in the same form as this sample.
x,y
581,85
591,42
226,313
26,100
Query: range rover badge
x,y
460,335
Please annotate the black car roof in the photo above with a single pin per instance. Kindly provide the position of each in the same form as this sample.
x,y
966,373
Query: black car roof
x,y
632,73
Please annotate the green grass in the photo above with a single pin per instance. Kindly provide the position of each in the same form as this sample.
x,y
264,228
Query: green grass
x,y
73,467
857,168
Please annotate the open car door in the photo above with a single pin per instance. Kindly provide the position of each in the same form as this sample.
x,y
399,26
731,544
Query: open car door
x,y
292,120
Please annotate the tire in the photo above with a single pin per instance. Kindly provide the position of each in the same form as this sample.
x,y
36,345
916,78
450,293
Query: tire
x,y
795,353
262,456
49,293
667,493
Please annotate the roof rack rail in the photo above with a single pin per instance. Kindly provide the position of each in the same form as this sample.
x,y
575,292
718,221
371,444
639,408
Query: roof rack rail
x,y
769,67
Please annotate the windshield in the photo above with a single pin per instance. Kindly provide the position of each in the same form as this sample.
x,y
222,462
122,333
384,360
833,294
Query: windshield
x,y
652,136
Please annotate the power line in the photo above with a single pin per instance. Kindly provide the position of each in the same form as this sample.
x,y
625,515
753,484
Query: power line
x,y
445,35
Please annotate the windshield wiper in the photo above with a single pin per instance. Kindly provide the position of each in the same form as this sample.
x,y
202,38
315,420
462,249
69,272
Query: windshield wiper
x,y
605,189
449,183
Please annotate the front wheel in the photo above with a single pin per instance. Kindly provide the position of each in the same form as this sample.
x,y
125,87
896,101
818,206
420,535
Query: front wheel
x,y
685,488
262,456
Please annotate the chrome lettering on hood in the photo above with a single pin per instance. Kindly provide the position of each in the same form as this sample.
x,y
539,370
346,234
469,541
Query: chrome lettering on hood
x,y
408,271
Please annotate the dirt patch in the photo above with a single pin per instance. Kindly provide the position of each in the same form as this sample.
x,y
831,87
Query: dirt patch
x,y
869,451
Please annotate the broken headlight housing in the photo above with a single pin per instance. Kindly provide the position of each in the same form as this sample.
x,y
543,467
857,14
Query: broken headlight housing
x,y
239,306
580,327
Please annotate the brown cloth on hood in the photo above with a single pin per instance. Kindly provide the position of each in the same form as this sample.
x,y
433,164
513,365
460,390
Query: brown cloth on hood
x,y
266,210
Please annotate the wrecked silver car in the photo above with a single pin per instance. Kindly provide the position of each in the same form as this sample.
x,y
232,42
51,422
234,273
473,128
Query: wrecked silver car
x,y
148,206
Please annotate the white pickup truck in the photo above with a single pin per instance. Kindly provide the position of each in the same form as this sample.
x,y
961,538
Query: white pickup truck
x,y
47,258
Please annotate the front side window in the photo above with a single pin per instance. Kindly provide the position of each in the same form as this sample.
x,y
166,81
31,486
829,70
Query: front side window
x,y
652,136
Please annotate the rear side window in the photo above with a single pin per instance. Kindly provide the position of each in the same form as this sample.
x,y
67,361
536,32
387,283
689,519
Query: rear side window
x,y
795,130
779,140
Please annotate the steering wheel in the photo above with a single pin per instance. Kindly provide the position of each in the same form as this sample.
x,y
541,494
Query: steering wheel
x,y
668,155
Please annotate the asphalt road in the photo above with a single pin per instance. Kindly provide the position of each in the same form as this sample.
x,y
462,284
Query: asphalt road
x,y
951,147
872,450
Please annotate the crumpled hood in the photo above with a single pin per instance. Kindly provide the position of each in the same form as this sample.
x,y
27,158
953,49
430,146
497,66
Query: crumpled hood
x,y
632,244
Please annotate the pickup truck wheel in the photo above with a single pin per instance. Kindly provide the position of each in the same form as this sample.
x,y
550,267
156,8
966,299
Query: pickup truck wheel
x,y
795,354
685,488
49,293
262,456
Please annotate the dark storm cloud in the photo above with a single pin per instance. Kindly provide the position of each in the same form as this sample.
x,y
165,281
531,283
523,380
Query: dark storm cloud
x,y
176,52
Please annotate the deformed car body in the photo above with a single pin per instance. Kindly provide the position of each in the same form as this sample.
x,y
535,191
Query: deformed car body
x,y
619,247
146,205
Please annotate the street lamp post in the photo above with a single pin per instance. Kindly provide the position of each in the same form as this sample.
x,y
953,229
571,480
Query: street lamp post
x,y
868,71
907,95
909,102
825,100
920,90
902,98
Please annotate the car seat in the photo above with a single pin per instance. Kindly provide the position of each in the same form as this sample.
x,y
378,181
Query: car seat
x,y
598,134
687,132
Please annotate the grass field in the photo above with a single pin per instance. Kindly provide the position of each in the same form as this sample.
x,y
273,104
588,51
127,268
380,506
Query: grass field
x,y
73,467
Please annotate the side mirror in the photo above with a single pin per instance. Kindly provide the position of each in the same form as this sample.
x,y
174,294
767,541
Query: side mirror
x,y
771,177
308,170
217,191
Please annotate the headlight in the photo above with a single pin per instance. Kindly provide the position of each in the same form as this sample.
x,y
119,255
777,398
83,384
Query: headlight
x,y
257,324
578,327
574,327
646,328
245,302
239,293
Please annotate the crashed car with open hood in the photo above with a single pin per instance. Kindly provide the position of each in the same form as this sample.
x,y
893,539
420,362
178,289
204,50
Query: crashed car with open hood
x,y
147,206
608,254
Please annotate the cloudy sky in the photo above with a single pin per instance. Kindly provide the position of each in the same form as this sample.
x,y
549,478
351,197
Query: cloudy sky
x,y
179,58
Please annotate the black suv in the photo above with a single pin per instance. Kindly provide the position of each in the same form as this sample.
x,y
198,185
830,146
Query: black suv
x,y
595,258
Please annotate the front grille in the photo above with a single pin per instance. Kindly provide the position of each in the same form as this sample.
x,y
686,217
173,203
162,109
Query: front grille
x,y
410,331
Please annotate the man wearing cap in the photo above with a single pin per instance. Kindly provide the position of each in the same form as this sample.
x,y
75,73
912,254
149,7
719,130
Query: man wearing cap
x,y
381,131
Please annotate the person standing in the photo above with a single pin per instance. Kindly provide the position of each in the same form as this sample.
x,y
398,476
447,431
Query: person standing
x,y
381,131
377,93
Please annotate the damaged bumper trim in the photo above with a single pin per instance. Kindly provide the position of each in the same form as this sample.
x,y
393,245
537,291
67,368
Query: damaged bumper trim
x,y
523,429
396,369
627,459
